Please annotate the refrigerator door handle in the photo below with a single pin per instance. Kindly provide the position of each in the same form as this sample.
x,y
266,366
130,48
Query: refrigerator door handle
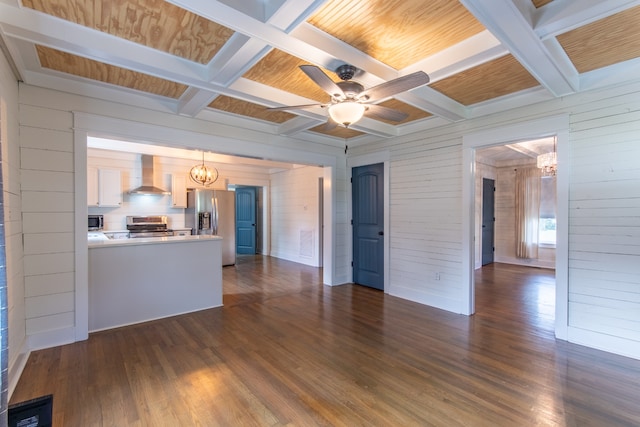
x,y
214,225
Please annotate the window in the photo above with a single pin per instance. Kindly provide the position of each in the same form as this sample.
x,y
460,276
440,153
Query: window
x,y
547,223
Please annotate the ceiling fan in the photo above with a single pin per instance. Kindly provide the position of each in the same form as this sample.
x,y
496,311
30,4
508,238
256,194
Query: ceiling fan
x,y
350,100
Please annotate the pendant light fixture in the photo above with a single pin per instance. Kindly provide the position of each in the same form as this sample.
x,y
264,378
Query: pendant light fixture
x,y
203,175
548,162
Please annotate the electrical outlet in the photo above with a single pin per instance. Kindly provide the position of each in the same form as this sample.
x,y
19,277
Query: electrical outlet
x,y
437,276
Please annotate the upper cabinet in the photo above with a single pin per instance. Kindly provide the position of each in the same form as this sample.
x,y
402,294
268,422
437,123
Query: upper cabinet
x,y
104,187
178,191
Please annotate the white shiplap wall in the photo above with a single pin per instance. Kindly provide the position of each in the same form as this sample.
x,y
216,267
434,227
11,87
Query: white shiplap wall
x,y
46,123
604,188
295,216
426,202
425,188
604,239
12,208
48,224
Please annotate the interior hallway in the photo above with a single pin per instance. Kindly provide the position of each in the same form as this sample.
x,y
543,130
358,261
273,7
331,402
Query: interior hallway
x,y
286,350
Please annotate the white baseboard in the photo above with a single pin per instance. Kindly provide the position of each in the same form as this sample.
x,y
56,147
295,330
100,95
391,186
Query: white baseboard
x,y
17,366
608,343
52,338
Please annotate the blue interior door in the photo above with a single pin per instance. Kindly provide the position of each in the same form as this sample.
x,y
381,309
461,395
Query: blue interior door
x,y
488,220
246,220
367,190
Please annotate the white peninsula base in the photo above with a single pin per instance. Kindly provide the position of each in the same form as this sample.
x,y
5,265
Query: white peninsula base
x,y
137,280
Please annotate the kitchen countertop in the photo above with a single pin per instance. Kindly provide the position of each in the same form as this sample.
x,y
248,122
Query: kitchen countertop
x,y
150,241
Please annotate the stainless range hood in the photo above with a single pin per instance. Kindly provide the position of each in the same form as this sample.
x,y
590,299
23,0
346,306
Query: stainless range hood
x,y
147,186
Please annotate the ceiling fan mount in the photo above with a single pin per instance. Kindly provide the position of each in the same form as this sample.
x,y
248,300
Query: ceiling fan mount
x,y
350,100
346,71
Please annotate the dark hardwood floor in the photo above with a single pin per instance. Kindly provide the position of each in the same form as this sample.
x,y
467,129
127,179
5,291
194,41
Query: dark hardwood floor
x,y
286,350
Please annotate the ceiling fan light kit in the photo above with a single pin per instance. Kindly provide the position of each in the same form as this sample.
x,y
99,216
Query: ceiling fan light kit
x,y
347,112
350,100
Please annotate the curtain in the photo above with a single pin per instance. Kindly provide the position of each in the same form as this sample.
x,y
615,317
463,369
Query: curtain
x,y
527,212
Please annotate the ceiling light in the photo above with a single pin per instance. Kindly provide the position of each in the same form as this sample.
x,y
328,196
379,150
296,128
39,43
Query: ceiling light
x,y
346,112
201,174
548,162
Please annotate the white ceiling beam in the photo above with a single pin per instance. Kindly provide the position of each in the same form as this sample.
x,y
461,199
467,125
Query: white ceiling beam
x,y
27,24
522,150
240,52
475,50
193,100
376,72
506,21
297,125
231,18
431,100
561,16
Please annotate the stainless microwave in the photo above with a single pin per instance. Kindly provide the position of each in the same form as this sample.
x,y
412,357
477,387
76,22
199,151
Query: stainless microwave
x,y
96,222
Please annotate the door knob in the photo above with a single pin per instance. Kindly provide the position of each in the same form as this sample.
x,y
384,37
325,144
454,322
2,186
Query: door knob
x,y
380,233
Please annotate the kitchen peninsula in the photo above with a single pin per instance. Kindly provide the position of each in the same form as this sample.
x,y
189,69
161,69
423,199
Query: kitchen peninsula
x,y
136,280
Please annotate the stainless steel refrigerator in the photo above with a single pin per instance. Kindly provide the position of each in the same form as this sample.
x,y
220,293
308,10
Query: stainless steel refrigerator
x,y
214,212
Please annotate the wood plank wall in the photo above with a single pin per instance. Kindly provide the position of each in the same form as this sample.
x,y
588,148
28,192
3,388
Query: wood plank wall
x,y
426,228
425,206
15,304
294,213
604,267
604,242
47,186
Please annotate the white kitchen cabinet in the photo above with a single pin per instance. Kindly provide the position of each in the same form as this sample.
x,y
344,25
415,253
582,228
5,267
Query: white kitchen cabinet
x,y
104,187
92,187
178,191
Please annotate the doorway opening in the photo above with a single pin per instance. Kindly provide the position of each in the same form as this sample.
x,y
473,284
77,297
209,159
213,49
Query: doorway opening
x,y
506,174
498,138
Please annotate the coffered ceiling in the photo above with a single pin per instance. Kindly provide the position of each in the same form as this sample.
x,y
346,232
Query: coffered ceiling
x,y
229,60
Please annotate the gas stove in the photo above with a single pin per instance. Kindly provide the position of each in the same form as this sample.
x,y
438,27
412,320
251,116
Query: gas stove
x,y
148,226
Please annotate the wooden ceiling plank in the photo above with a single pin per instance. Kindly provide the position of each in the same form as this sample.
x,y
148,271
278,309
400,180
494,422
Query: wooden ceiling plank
x,y
377,72
605,42
231,18
241,53
158,25
45,30
396,32
481,48
507,23
561,16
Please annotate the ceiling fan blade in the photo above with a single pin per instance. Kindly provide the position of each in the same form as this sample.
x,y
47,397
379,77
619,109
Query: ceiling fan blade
x,y
395,86
385,113
322,80
295,107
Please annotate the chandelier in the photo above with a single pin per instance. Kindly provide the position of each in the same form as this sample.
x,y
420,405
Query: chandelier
x,y
548,162
201,174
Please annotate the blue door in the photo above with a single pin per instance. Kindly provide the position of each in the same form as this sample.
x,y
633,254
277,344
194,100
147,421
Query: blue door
x,y
488,220
246,220
368,225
